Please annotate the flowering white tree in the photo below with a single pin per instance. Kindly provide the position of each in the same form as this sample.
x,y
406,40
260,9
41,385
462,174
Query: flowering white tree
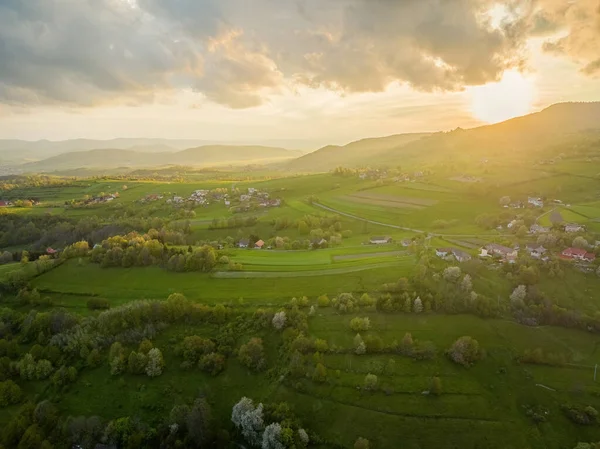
x,y
418,305
303,436
272,437
155,363
359,344
517,297
279,320
312,311
249,420
467,284
452,274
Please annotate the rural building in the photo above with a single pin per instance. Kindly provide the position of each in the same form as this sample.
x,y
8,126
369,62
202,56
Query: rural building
x,y
505,253
380,240
536,251
51,251
443,252
406,242
243,243
3,203
244,197
535,202
537,229
259,244
574,227
460,255
319,243
577,254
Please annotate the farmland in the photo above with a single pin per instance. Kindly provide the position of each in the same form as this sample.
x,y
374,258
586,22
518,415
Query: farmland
x,y
334,249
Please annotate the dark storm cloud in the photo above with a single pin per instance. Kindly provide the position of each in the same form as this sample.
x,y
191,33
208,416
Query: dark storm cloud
x,y
85,52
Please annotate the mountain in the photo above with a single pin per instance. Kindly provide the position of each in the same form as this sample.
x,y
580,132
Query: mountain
x,y
353,154
532,135
207,155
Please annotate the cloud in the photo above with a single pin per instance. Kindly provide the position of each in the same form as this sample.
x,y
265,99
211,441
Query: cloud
x,y
578,23
235,53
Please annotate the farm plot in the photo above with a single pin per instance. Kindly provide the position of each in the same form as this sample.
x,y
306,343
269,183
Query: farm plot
x,y
382,199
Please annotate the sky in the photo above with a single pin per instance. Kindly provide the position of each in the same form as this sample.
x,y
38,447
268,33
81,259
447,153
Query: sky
x,y
305,71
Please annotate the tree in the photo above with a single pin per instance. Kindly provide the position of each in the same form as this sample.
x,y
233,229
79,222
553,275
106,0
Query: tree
x,y
522,231
155,365
465,351
320,373
145,346
406,346
116,358
136,363
323,301
452,274
198,423
436,386
249,420
418,305
467,284
370,382
10,393
279,320
359,345
580,242
272,437
252,354
517,297
212,363
361,443
360,324
94,358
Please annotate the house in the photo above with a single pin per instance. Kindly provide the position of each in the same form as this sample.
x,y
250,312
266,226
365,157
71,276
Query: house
x,y
511,224
259,244
460,255
537,229
574,227
227,203
380,240
244,197
363,176
574,254
406,242
51,251
443,252
3,203
589,257
252,190
535,202
501,251
536,251
243,243
484,253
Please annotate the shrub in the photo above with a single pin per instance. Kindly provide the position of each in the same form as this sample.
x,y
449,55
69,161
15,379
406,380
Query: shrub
x,y
212,363
360,324
344,303
323,301
98,304
584,416
370,382
436,386
465,351
252,354
361,443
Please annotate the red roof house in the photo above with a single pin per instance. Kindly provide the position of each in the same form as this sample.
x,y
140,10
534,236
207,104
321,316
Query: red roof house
x,y
259,244
51,251
575,253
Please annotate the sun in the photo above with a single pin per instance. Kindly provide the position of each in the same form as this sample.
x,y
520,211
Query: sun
x,y
510,97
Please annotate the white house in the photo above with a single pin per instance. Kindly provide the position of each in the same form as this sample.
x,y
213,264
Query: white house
x,y
380,240
535,202
443,252
574,227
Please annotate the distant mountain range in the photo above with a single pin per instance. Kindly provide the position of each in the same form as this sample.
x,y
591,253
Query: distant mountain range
x,y
554,125
207,155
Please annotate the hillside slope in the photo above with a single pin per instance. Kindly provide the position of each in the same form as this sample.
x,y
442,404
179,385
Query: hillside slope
x,y
355,153
532,136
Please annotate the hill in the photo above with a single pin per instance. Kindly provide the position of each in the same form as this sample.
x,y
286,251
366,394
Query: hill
x,y
353,154
199,156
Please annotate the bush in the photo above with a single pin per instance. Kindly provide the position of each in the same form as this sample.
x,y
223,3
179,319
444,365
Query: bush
x,y
252,354
584,416
370,382
323,301
345,303
465,351
10,393
98,304
212,363
360,324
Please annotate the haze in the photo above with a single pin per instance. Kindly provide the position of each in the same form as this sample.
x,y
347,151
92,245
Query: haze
x,y
302,72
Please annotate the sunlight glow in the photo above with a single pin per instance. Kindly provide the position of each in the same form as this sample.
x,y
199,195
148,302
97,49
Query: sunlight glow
x,y
510,97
